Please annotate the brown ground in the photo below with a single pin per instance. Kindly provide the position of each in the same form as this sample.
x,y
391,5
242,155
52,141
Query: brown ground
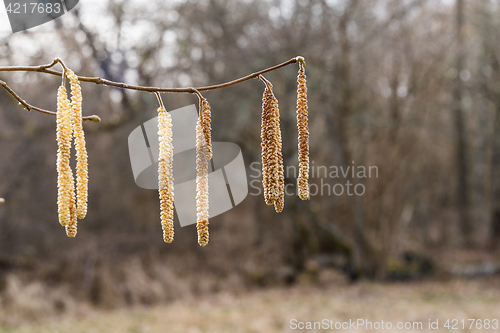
x,y
272,310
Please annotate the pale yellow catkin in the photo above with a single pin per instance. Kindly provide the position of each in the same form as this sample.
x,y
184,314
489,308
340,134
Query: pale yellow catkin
x,y
303,133
202,158
81,150
64,175
273,175
165,174
71,228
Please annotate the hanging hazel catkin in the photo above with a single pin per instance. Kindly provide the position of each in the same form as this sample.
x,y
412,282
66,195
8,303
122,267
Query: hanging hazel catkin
x,y
280,188
81,150
165,174
71,227
265,147
272,158
202,158
65,182
206,125
303,132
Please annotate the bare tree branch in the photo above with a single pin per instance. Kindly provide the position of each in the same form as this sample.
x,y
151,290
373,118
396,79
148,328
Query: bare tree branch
x,y
97,80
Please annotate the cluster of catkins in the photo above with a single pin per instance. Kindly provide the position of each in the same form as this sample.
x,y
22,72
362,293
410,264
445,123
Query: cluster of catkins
x,y
166,178
71,205
273,180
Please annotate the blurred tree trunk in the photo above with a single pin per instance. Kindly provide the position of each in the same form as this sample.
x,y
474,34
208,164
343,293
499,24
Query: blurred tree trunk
x,y
490,92
461,147
495,176
494,95
364,254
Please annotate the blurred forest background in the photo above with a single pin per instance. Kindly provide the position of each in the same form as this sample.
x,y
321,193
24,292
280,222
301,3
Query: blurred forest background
x,y
409,86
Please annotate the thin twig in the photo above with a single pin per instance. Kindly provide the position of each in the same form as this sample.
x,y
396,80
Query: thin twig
x,y
30,107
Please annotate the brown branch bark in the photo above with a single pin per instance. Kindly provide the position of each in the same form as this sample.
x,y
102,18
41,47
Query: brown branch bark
x,y
30,107
97,80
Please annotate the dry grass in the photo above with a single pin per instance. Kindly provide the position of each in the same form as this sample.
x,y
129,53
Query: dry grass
x,y
271,310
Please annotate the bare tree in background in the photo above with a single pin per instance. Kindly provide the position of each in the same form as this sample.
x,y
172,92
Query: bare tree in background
x,y
379,77
461,143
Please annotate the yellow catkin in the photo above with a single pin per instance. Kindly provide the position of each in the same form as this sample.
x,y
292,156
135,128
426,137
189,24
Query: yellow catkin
x,y
265,148
71,228
202,158
279,203
303,134
165,174
81,151
64,174
206,125
273,176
